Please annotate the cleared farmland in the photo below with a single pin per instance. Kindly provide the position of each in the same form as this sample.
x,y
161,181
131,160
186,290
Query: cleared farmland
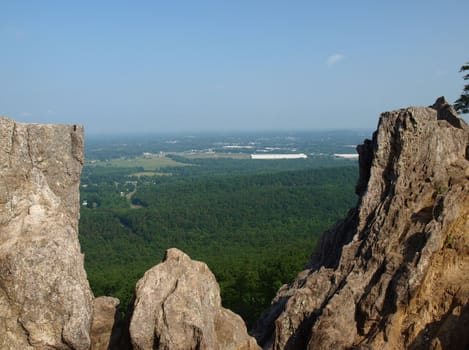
x,y
148,164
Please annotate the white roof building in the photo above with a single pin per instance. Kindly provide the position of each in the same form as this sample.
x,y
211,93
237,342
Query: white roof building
x,y
279,156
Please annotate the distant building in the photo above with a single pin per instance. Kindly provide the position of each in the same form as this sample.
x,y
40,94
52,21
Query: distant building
x,y
238,147
279,156
346,155
149,155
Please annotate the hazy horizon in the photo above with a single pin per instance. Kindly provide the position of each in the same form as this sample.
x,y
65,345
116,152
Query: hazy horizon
x,y
225,132
207,66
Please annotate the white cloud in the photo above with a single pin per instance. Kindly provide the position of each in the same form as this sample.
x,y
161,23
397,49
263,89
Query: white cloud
x,y
333,59
26,114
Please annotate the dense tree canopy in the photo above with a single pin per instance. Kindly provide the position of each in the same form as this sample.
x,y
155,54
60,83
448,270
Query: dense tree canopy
x,y
462,103
255,223
254,230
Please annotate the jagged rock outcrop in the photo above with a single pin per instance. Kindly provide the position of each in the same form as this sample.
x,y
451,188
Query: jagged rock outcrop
x,y
394,273
45,299
178,307
391,275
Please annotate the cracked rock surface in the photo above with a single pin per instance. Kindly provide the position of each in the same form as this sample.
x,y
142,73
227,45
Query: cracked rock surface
x,y
45,299
178,306
394,273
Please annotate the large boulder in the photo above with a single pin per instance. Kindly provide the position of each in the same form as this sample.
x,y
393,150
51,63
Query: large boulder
x,y
393,273
45,299
177,306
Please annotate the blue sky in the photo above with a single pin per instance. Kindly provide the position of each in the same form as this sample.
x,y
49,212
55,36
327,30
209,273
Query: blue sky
x,y
164,66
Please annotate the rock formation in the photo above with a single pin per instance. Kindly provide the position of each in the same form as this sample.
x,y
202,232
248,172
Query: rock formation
x,y
178,307
104,334
391,275
394,273
45,299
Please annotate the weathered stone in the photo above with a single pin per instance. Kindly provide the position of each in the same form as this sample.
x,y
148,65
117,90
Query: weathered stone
x,y
105,319
45,299
446,111
178,306
393,274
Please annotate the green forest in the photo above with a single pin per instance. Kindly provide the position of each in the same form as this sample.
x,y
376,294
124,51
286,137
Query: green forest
x,y
254,223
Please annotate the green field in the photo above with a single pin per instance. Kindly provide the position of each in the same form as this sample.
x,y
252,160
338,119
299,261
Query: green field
x,y
148,164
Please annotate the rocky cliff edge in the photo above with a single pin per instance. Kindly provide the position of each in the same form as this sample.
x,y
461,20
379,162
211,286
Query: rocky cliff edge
x,y
45,299
391,275
394,273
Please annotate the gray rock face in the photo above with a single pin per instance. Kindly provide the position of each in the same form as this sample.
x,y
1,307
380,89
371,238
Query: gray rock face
x,y
178,307
45,299
393,274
